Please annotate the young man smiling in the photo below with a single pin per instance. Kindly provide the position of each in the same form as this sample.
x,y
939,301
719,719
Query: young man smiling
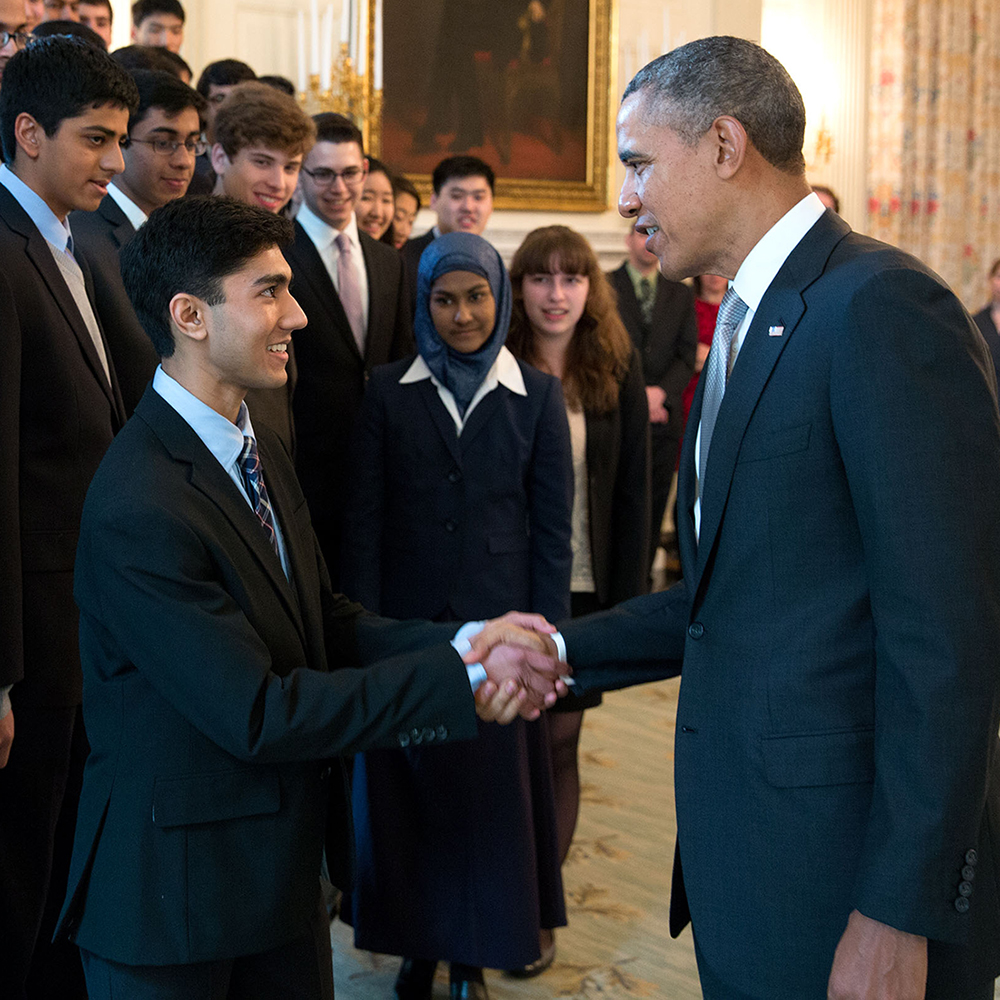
x,y
64,111
164,139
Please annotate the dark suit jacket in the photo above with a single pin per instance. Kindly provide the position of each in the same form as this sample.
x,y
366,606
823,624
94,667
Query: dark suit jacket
x,y
618,491
667,346
332,373
216,689
59,415
455,526
99,235
984,320
838,713
412,249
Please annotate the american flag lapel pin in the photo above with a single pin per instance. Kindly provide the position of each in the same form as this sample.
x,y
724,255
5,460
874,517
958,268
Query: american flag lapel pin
x,y
775,331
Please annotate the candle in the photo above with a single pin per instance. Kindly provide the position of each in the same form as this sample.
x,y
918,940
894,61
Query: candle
x,y
345,22
314,39
353,51
327,43
362,66
301,18
377,72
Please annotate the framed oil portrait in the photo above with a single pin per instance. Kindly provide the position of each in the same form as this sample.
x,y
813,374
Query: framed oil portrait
x,y
522,84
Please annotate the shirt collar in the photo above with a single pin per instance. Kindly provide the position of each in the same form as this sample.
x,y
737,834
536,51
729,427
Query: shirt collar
x,y
504,371
772,250
637,276
223,438
322,233
133,213
45,220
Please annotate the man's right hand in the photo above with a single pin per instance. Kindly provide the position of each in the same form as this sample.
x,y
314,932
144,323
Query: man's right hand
x,y
6,736
538,674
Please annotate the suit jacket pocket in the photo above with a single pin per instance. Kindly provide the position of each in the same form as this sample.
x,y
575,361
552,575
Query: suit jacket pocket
x,y
511,541
782,441
209,798
803,761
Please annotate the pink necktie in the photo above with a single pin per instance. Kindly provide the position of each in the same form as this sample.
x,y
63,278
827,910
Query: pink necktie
x,y
350,293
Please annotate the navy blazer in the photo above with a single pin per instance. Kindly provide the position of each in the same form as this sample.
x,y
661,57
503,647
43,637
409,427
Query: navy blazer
x,y
460,524
837,726
216,689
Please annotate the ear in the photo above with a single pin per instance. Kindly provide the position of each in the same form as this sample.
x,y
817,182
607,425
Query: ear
x,y
220,161
134,36
28,133
187,313
364,167
731,145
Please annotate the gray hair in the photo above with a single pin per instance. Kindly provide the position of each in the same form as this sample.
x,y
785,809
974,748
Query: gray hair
x,y
695,84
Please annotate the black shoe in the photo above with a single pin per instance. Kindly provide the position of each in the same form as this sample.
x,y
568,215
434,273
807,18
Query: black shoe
x,y
537,967
468,989
415,979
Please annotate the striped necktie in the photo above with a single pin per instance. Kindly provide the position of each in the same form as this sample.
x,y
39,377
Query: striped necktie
x,y
253,479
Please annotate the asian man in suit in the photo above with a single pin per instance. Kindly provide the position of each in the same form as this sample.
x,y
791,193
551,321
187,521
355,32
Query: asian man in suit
x,y
164,137
64,108
222,674
351,288
659,316
837,769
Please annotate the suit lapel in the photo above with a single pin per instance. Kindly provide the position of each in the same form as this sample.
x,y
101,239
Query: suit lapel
x,y
782,306
481,415
121,229
440,417
377,326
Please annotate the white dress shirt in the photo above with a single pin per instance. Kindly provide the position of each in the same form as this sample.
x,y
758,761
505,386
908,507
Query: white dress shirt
x,y
133,213
753,279
324,237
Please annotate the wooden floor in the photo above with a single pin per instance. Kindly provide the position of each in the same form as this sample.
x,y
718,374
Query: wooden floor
x,y
617,876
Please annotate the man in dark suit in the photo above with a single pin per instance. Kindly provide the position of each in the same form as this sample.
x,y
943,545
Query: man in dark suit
x,y
463,188
659,316
836,759
164,136
218,662
351,288
64,107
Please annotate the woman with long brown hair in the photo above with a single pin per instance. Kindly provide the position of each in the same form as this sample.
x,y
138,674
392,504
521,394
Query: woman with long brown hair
x,y
565,322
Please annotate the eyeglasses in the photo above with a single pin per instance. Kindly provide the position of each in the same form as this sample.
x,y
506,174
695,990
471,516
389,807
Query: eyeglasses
x,y
324,177
19,38
167,147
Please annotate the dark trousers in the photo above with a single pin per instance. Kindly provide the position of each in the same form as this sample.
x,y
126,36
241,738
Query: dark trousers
x,y
299,970
39,794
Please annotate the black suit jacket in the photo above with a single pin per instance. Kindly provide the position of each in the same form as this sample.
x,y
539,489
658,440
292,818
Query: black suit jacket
x,y
99,236
667,345
412,249
458,526
984,320
837,724
59,413
216,691
332,373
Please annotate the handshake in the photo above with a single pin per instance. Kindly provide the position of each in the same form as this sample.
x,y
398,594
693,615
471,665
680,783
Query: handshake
x,y
523,670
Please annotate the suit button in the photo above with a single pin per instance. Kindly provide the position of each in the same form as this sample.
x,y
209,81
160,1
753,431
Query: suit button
x,y
968,873
429,735
965,888
415,736
962,904
442,733
404,739
971,857
454,476
450,525
696,630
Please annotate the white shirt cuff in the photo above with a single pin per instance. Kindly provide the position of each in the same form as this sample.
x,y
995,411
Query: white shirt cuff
x,y
462,643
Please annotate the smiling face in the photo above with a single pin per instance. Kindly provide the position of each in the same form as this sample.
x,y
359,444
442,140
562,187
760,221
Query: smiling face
x,y
162,30
71,169
243,341
669,190
463,310
464,205
151,179
334,202
554,303
257,175
376,205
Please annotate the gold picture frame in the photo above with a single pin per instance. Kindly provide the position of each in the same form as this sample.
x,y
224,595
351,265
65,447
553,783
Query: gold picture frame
x,y
506,75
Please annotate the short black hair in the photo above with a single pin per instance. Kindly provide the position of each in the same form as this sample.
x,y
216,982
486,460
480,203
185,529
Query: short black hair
x,y
281,83
462,166
142,9
223,73
133,57
56,78
159,89
331,127
403,185
190,245
48,28
178,64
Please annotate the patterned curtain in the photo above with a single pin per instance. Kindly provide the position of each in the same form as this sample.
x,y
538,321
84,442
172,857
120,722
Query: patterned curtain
x,y
934,162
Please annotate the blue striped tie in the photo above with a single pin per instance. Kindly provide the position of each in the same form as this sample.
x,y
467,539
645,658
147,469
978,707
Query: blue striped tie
x,y
256,490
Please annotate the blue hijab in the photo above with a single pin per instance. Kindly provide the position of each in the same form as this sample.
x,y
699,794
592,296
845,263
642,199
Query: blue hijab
x,y
461,373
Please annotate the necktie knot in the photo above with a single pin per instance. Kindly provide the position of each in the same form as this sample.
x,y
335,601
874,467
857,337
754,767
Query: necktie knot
x,y
343,242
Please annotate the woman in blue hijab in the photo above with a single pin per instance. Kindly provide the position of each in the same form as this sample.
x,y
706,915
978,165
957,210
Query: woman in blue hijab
x,y
461,507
